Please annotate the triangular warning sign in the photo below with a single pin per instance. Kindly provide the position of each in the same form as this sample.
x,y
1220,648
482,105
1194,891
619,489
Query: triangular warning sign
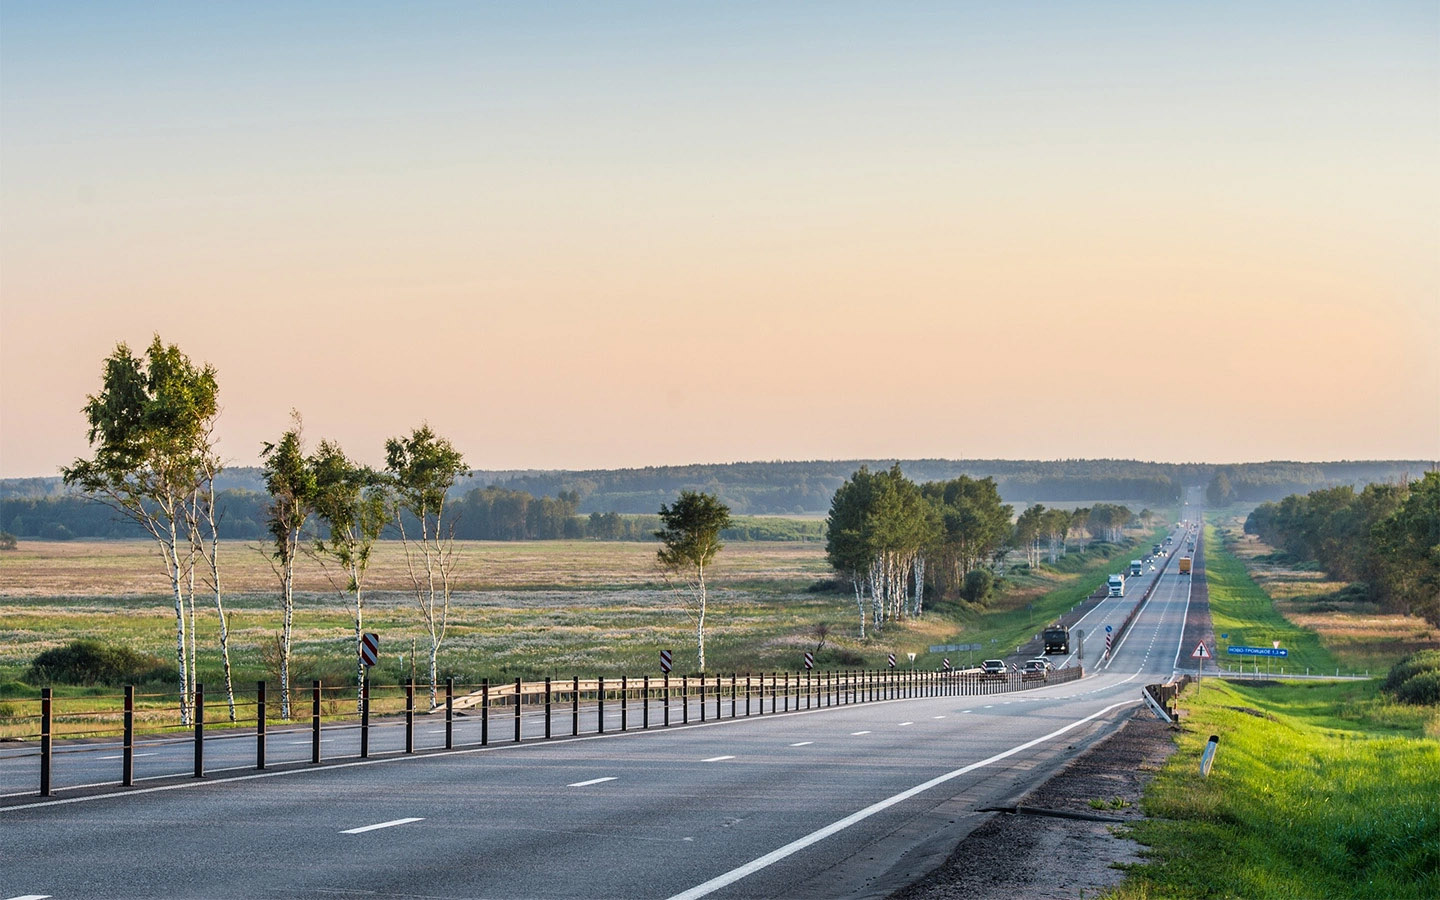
x,y
1200,651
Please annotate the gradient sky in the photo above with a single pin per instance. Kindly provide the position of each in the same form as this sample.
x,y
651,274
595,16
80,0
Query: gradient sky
x,y
592,235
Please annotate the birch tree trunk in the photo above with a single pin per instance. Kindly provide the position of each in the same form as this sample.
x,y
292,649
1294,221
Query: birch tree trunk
x,y
172,562
856,582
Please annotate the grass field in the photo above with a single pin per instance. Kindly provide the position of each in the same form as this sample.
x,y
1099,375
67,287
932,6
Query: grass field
x,y
1317,790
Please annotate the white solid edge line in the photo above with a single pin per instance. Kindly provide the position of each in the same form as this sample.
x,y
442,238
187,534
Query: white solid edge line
x,y
717,759
774,856
593,781
389,824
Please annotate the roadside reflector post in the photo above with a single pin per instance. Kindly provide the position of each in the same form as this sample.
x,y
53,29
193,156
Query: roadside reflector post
x,y
600,705
46,715
518,688
127,754
199,730
409,715
365,717
259,724
574,705
449,713
549,696
1208,757
315,722
665,696
484,712
624,702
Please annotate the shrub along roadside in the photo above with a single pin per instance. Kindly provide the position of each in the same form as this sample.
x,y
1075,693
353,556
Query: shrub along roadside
x,y
1318,790
1415,679
93,663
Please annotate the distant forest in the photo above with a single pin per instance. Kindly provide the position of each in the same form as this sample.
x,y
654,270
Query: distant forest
x,y
605,503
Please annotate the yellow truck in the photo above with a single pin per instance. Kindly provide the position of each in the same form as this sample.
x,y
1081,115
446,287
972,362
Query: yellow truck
x,y
1184,565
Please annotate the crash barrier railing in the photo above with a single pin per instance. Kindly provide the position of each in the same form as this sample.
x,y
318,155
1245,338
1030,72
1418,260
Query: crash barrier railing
x,y
1161,697
488,713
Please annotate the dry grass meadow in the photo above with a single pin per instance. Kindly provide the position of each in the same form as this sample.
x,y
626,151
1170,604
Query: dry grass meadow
x,y
520,609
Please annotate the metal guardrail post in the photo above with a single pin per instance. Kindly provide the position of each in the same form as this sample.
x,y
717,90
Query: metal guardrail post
x,y
259,724
484,712
645,702
449,713
199,730
574,705
365,717
624,702
600,705
549,695
518,698
46,725
127,754
684,699
787,691
733,695
315,722
719,689
702,696
409,715
666,697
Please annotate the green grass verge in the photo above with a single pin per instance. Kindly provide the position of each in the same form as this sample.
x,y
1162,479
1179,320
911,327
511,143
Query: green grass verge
x,y
1317,790
1239,608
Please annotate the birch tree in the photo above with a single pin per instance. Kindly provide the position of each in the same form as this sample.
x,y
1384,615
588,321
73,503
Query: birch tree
x,y
690,537
422,468
350,500
150,429
202,523
290,479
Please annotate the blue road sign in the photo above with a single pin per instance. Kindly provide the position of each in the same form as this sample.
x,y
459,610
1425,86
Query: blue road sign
x,y
1224,637
1107,629
1257,651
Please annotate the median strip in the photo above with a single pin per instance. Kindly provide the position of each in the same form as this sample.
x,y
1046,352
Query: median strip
x,y
391,824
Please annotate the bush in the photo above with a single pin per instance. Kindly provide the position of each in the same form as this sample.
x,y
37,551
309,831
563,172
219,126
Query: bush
x,y
979,583
1422,690
91,663
8,541
1415,679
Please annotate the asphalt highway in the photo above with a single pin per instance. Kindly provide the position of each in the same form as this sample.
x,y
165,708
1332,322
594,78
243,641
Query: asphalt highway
x,y
839,801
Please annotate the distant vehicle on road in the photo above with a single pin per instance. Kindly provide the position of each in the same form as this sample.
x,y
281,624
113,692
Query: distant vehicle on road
x,y
1057,639
1034,670
993,668
1155,550
1116,585
1137,568
1184,565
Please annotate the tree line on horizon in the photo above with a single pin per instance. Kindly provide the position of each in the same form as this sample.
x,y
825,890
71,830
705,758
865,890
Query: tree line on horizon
x,y
1383,539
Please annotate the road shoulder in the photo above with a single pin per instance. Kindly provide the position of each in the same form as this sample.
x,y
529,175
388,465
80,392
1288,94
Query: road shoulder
x,y
1030,855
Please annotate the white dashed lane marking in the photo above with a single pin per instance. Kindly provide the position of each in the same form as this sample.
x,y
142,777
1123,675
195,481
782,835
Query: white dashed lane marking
x,y
858,733
592,781
391,824
803,744
717,759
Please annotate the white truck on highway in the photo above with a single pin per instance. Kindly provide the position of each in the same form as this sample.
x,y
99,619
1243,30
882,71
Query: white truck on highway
x,y
1137,568
1117,585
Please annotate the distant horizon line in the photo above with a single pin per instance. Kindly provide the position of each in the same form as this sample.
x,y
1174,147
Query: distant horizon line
x,y
1427,464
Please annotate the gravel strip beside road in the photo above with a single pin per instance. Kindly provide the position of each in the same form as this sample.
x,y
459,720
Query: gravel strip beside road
x,y
1041,856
